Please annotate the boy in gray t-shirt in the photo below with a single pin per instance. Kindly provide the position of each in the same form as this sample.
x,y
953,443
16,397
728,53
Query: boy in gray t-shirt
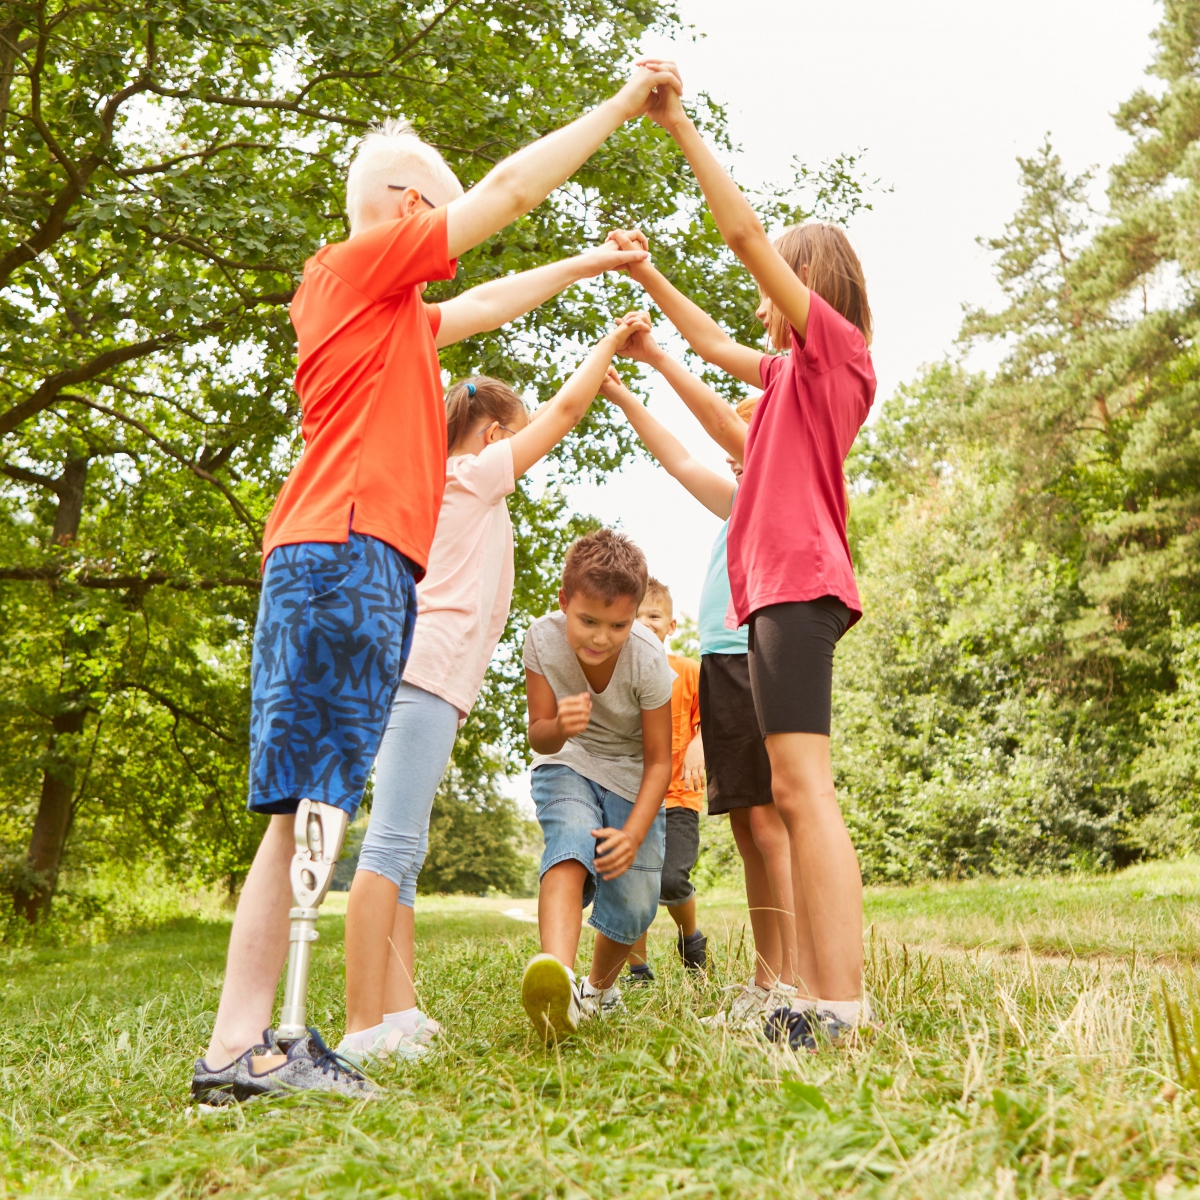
x,y
599,692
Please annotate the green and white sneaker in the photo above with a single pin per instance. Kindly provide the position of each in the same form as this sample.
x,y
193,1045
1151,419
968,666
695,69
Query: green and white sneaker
x,y
389,1042
550,997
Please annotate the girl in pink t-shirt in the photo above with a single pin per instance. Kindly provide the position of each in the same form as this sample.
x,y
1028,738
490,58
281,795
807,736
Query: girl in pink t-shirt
x,y
462,609
789,562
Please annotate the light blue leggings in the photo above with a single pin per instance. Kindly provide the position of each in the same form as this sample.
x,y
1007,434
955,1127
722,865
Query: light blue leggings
x,y
412,759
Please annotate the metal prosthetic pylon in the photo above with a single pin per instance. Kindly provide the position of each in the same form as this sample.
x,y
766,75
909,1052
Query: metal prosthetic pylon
x,y
320,830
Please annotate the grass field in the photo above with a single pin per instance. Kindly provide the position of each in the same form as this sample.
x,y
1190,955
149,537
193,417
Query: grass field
x,y
1021,1054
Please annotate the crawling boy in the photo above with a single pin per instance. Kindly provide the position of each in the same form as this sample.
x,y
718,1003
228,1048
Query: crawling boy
x,y
599,692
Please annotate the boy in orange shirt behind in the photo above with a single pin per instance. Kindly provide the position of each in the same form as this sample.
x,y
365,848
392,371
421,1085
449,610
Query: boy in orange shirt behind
x,y
684,798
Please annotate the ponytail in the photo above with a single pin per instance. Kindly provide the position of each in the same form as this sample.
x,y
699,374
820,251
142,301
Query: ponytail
x,y
473,400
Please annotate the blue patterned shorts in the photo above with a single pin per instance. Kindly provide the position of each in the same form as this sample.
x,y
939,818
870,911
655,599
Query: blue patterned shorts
x,y
335,625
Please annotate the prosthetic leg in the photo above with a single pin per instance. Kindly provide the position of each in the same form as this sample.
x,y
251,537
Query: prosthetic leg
x,y
320,831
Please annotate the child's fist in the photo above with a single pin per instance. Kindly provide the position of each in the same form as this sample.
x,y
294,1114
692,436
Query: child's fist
x,y
628,327
574,713
612,257
639,343
640,96
629,239
613,389
615,851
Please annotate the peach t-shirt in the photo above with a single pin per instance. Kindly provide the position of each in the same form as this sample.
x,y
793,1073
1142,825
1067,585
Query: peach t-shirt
x,y
462,603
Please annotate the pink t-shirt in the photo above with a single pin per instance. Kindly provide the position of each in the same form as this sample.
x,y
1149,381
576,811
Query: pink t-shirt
x,y
462,603
787,535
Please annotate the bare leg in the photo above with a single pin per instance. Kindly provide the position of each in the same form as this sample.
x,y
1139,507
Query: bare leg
x,y
826,878
607,959
560,910
258,948
761,901
771,838
684,915
637,952
370,917
400,991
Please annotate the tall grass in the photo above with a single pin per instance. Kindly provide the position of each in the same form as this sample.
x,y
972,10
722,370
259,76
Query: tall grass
x,y
991,1075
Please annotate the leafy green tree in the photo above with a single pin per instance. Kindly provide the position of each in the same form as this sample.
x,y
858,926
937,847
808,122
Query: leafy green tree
x,y
166,167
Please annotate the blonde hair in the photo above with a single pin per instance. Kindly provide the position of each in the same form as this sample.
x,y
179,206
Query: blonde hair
x,y
471,400
834,271
657,590
391,153
745,408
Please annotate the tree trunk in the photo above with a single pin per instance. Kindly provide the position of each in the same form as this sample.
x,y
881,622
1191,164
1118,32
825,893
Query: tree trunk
x,y
32,896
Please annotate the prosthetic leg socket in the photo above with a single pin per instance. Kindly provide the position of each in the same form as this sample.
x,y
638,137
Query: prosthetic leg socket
x,y
320,831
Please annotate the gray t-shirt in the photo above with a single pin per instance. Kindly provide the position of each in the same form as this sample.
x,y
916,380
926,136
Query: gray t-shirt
x,y
609,750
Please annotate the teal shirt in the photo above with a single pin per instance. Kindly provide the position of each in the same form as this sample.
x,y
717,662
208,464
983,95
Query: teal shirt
x,y
714,604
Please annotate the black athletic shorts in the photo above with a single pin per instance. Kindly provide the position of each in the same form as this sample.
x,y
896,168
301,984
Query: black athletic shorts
x,y
739,771
681,849
791,664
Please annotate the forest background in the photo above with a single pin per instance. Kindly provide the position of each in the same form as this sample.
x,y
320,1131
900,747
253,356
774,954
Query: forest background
x,y
1024,694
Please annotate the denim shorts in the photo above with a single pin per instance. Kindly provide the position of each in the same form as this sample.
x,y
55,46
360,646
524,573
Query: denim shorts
x,y
569,807
335,625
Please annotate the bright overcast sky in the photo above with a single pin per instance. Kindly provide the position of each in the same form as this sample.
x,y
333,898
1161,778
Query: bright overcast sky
x,y
943,95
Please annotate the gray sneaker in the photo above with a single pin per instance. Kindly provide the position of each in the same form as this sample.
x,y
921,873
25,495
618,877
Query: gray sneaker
x,y
310,1067
212,1086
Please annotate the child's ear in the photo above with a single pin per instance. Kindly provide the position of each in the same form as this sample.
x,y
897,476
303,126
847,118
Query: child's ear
x,y
562,600
672,627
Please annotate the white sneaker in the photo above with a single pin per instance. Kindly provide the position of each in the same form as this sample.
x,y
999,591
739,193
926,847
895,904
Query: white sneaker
x,y
389,1042
427,1029
606,1003
550,998
747,1008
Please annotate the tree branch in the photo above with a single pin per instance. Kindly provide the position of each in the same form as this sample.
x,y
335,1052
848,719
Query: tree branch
x,y
238,102
118,583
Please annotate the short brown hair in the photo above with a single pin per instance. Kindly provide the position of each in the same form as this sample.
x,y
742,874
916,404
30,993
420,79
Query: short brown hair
x,y
605,564
834,271
469,400
658,590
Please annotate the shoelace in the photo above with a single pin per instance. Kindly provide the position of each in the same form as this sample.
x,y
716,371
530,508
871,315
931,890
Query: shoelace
x,y
329,1060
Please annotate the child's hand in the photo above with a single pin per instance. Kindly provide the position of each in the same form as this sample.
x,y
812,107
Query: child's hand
x,y
615,852
692,772
611,257
629,239
627,328
639,344
665,104
651,76
574,713
613,390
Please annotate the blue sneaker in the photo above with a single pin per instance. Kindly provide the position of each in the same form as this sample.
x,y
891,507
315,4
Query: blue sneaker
x,y
310,1067
219,1086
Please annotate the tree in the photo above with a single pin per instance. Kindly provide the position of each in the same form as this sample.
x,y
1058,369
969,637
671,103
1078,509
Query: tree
x,y
167,167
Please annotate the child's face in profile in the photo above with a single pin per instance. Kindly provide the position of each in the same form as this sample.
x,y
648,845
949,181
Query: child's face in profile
x,y
734,465
655,613
597,628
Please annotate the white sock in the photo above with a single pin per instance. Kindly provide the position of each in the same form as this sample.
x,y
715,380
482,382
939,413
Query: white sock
x,y
803,1004
849,1012
364,1039
406,1020
590,989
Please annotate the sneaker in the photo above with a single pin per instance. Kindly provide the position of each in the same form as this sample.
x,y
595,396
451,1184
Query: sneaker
x,y
748,1006
794,1028
600,1004
550,997
839,1032
640,975
427,1029
211,1086
310,1067
390,1042
693,951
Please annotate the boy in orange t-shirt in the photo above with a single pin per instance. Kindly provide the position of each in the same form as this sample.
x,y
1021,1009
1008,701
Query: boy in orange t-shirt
x,y
349,538
684,798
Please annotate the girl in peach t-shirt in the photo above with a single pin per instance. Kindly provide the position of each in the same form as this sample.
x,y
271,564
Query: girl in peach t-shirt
x,y
462,608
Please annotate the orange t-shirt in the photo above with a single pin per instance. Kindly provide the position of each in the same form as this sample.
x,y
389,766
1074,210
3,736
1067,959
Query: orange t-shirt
x,y
370,388
685,724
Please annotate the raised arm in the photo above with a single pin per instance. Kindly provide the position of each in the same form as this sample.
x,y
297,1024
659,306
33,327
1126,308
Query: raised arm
x,y
720,421
523,180
714,491
499,301
557,417
735,218
696,327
